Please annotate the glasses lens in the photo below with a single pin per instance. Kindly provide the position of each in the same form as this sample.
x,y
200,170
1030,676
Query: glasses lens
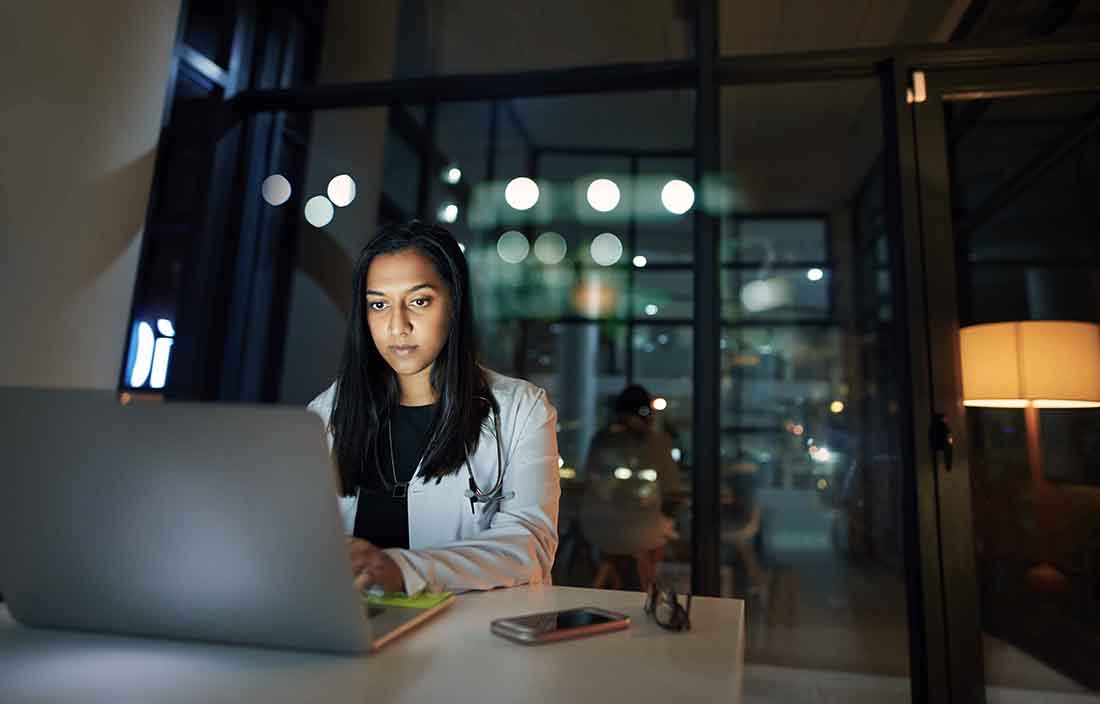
x,y
667,610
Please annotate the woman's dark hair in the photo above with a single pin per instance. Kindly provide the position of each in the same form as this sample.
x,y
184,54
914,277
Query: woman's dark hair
x,y
367,390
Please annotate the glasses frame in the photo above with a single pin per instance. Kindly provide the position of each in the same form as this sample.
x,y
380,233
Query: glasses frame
x,y
680,619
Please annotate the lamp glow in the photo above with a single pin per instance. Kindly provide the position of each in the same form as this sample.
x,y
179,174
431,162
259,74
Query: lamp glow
x,y
660,404
640,261
623,473
452,175
1014,365
649,475
815,274
651,309
766,294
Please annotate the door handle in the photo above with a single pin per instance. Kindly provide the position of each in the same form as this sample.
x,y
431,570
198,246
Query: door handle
x,y
940,439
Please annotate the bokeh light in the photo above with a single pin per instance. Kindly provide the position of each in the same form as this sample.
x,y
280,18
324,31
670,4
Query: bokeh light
x,y
550,248
319,211
603,195
606,249
341,190
448,212
275,189
521,193
513,247
677,196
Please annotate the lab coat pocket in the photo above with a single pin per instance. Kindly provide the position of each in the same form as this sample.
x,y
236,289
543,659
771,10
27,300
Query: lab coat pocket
x,y
433,515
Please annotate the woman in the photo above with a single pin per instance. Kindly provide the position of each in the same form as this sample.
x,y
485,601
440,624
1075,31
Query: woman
x,y
420,432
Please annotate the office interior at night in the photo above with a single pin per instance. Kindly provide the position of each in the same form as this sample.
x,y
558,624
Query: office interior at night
x,y
776,266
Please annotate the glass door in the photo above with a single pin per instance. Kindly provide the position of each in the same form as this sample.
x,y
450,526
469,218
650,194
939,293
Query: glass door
x,y
1007,207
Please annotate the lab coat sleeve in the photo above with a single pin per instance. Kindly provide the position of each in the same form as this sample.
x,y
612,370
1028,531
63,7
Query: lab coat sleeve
x,y
520,543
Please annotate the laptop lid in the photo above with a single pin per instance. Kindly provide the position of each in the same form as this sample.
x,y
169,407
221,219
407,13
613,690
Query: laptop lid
x,y
180,520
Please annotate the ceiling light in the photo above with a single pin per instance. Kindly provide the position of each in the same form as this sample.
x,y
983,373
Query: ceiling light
x,y
603,195
522,193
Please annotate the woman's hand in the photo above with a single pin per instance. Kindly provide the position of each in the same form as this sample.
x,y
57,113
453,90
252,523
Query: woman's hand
x,y
372,567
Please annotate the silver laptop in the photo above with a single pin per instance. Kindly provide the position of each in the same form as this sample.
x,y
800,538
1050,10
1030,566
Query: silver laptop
x,y
178,520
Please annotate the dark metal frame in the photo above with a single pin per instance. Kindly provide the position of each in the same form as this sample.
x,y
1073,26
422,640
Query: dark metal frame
x,y
951,593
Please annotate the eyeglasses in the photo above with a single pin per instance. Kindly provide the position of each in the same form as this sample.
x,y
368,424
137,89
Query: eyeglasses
x,y
664,606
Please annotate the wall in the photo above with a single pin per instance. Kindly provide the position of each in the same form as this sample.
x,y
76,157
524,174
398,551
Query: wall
x,y
84,88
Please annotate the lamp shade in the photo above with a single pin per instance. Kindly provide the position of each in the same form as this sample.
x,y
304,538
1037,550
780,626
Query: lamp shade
x,y
1046,364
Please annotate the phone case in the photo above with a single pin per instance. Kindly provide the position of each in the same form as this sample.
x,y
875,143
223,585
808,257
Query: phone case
x,y
508,628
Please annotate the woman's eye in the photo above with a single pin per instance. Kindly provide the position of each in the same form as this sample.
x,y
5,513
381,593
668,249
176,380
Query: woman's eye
x,y
421,302
377,305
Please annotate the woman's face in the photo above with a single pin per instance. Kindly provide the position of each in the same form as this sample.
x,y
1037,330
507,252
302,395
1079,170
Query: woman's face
x,y
408,310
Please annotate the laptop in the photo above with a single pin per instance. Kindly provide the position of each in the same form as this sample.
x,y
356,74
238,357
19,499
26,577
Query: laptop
x,y
209,522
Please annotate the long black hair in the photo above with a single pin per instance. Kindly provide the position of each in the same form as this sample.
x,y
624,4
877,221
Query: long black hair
x,y
367,390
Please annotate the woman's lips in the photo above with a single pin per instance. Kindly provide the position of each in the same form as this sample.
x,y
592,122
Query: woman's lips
x,y
403,350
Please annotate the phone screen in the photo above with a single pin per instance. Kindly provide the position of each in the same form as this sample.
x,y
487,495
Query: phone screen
x,y
561,620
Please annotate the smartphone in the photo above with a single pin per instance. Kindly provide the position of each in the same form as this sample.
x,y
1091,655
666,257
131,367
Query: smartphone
x,y
559,625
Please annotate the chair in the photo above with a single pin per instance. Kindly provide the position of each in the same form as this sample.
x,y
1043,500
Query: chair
x,y
622,518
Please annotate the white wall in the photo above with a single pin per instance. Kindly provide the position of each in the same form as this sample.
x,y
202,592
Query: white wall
x,y
83,88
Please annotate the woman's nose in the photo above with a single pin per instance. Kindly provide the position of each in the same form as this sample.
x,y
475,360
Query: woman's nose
x,y
399,322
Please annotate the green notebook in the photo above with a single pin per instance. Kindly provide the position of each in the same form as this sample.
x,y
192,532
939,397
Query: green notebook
x,y
420,601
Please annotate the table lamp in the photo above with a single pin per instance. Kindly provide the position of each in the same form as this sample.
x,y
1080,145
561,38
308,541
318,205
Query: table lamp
x,y
1031,365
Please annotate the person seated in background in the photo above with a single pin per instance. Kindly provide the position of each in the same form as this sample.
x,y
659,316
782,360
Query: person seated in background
x,y
631,474
447,472
634,441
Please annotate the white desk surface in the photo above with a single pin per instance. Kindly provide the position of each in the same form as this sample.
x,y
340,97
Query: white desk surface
x,y
452,658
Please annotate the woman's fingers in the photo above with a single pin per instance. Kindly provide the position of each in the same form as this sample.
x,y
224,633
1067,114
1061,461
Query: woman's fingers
x,y
360,553
371,566
362,580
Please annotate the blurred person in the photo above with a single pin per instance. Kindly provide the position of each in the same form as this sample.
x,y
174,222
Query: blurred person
x,y
633,440
622,515
741,522
447,472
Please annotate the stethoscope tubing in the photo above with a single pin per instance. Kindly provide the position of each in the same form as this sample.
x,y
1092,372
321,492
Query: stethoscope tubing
x,y
496,493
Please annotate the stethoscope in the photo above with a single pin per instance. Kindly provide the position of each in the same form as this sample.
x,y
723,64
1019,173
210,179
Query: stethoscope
x,y
494,496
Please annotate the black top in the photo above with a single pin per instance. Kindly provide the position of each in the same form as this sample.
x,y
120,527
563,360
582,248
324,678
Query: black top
x,y
381,518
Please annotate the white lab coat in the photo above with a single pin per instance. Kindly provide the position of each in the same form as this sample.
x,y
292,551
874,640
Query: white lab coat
x,y
448,550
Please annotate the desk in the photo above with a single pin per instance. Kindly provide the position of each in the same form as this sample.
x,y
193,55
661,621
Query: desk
x,y
452,658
